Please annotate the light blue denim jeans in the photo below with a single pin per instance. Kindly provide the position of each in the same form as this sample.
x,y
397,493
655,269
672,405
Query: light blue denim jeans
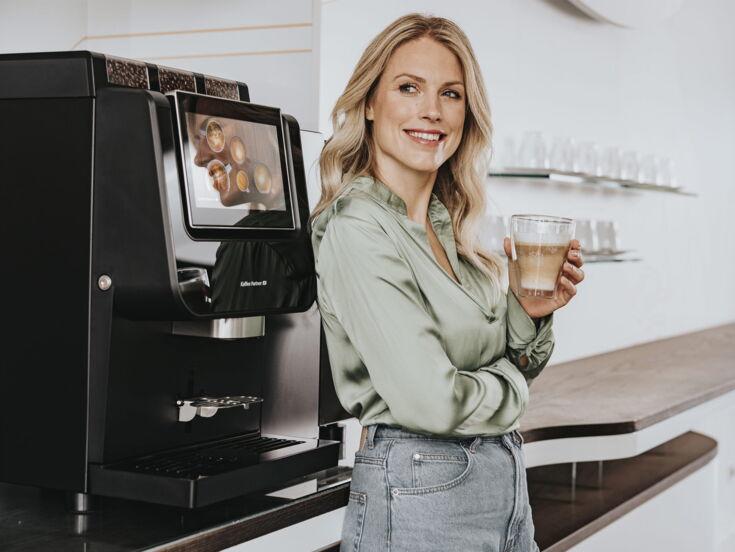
x,y
415,492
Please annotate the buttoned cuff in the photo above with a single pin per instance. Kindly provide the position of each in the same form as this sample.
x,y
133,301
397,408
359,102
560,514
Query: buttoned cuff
x,y
521,327
524,339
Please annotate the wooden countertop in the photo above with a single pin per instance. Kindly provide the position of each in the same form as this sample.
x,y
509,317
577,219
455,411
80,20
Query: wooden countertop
x,y
630,389
35,520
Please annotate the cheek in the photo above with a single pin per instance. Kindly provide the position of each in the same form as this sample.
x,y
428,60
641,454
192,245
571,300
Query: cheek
x,y
393,115
457,124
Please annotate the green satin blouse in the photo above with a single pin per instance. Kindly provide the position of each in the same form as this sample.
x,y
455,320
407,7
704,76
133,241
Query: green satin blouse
x,y
408,345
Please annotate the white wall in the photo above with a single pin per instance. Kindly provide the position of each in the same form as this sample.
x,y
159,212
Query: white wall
x,y
271,46
667,90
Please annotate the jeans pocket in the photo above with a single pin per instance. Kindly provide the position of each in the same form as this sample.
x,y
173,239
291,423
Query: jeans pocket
x,y
436,467
353,523
425,517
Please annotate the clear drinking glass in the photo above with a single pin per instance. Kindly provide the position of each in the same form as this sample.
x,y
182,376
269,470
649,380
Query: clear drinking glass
x,y
648,171
586,158
610,165
665,172
629,166
607,237
586,232
533,154
560,156
539,246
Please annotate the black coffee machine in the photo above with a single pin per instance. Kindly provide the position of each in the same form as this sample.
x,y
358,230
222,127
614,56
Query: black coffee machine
x,y
154,223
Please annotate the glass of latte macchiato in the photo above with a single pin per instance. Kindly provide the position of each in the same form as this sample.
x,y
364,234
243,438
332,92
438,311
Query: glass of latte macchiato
x,y
539,246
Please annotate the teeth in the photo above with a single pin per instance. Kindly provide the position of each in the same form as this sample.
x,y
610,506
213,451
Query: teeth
x,y
425,136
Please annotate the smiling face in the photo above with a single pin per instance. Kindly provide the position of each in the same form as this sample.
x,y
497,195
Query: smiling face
x,y
417,109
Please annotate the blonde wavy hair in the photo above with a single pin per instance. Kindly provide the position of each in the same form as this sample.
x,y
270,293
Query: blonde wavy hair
x,y
460,180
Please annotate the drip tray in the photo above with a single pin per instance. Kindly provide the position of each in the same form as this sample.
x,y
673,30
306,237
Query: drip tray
x,y
196,476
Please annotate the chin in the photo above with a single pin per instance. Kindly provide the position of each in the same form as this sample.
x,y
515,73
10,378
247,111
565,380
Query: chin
x,y
421,163
426,166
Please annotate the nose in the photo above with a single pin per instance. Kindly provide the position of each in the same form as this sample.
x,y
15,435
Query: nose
x,y
431,108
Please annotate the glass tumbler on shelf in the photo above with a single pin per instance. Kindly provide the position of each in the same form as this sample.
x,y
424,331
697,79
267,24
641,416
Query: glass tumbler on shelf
x,y
648,170
610,163
533,154
587,158
629,166
539,246
607,237
560,155
586,232
665,172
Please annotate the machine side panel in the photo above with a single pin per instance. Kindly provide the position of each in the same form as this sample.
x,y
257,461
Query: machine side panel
x,y
45,222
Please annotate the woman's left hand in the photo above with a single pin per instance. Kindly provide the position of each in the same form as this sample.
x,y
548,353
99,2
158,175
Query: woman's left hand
x,y
572,274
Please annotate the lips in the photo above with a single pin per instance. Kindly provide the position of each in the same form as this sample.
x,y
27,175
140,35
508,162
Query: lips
x,y
424,136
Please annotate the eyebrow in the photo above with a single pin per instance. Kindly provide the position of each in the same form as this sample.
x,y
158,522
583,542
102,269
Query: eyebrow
x,y
422,80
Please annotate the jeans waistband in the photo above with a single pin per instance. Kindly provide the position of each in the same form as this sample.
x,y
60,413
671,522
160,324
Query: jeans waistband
x,y
382,431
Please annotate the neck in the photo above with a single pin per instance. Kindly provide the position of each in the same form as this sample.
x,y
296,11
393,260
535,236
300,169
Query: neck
x,y
413,187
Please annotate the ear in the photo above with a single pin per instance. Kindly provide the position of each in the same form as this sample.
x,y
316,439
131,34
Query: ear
x,y
369,113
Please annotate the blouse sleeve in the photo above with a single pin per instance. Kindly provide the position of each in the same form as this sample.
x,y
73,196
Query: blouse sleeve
x,y
525,339
372,292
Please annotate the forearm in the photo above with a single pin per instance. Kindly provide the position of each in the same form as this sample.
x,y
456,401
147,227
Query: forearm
x,y
530,341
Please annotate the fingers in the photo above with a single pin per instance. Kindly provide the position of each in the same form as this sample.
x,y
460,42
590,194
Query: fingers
x,y
506,246
574,255
567,286
574,274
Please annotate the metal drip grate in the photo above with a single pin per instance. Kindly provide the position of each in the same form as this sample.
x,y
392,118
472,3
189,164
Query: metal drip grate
x,y
207,460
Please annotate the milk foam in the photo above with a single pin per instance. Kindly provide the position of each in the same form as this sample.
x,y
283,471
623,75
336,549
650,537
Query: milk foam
x,y
543,239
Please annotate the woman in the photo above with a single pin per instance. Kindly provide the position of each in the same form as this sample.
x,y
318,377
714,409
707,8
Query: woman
x,y
425,347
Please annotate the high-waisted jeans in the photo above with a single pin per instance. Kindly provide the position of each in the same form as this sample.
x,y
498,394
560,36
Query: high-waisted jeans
x,y
415,492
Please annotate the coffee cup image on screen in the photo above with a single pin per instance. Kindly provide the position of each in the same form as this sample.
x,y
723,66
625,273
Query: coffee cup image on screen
x,y
236,164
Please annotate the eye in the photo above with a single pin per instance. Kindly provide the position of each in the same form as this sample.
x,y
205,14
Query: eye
x,y
408,88
453,94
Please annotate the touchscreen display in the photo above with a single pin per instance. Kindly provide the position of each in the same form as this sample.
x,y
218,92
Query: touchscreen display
x,y
235,165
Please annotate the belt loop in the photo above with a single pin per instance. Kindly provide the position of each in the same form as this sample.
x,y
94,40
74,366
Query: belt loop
x,y
371,435
475,444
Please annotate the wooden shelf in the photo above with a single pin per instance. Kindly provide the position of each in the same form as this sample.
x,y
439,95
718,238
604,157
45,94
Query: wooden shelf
x,y
566,512
626,390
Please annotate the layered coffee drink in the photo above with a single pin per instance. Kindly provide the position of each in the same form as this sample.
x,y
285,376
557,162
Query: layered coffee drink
x,y
539,266
539,247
